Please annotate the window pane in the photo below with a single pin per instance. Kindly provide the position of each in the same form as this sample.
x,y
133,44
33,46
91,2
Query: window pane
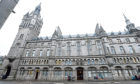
x,y
131,49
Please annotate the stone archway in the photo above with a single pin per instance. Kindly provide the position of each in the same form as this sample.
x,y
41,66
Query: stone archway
x,y
80,75
8,70
37,73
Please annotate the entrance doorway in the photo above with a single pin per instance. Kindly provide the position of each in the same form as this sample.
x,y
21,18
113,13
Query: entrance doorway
x,y
8,70
37,73
80,73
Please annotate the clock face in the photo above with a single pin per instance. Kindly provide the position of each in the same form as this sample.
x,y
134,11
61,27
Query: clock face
x,y
33,21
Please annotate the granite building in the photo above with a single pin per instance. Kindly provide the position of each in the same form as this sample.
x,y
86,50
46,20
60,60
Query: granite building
x,y
98,56
6,7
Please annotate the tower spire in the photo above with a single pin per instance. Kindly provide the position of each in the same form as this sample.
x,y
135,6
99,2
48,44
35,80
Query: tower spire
x,y
129,25
37,9
126,19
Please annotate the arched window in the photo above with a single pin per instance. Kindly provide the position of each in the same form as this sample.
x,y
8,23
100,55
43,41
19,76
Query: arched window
x,y
40,54
118,71
88,61
57,72
33,53
30,71
45,72
22,71
93,61
92,72
68,72
104,72
27,53
113,50
122,50
129,70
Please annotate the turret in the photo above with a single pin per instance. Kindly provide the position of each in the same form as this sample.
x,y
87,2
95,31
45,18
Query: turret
x,y
99,31
130,26
57,33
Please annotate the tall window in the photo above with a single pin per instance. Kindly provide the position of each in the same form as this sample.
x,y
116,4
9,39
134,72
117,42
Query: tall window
x,y
68,49
107,49
57,72
92,61
122,50
88,47
48,52
131,51
113,50
27,53
127,40
33,54
45,72
88,61
78,48
41,52
59,49
99,47
68,72
22,71
30,72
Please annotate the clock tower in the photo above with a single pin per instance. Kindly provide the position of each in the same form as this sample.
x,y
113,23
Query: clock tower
x,y
29,29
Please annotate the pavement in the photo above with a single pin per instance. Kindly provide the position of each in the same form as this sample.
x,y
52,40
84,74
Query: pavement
x,y
66,82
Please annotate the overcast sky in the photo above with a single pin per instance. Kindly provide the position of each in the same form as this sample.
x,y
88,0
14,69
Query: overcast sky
x,y
73,17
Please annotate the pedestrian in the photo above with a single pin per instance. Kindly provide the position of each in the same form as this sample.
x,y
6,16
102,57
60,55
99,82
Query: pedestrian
x,y
136,78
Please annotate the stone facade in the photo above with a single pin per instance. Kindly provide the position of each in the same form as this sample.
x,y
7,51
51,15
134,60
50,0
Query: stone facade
x,y
99,56
6,7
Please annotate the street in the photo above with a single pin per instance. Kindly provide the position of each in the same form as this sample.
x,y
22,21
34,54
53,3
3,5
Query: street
x,y
77,82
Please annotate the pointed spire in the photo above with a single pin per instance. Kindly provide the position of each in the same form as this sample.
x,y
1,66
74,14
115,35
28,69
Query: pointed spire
x,y
58,28
97,29
126,20
37,9
57,33
27,14
101,29
130,26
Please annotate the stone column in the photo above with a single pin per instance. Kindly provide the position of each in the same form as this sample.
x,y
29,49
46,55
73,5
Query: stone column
x,y
63,75
75,74
51,74
40,75
85,74
18,76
